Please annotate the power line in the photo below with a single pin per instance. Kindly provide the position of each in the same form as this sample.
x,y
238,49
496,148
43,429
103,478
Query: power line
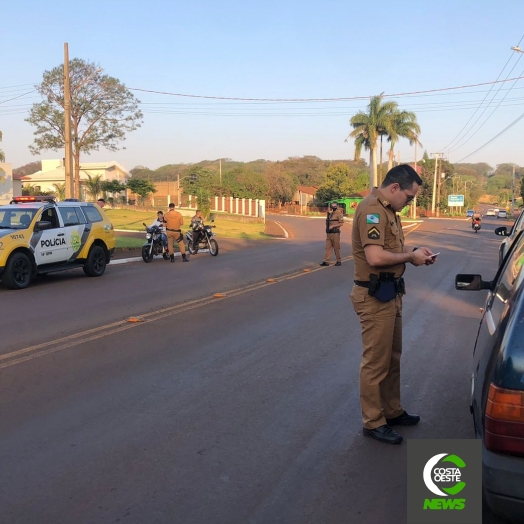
x,y
495,137
210,97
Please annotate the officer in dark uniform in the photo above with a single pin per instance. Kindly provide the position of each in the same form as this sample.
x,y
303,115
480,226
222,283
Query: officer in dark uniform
x,y
380,257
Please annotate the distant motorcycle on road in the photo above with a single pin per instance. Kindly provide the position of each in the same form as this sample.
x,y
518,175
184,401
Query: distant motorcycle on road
x,y
206,241
153,245
476,227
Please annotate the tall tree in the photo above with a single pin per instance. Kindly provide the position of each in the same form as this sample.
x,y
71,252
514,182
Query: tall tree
x,y
102,112
93,185
403,125
367,127
141,187
59,191
338,183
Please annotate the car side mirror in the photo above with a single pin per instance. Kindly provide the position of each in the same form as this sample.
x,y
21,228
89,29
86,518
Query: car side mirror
x,y
471,283
41,225
501,231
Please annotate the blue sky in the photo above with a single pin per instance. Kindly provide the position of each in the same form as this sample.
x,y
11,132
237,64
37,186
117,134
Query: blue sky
x,y
274,50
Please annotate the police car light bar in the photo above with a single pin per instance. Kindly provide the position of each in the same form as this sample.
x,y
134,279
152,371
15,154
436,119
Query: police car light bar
x,y
42,198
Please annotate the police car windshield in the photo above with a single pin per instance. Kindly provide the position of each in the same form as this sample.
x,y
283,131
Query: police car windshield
x,y
16,218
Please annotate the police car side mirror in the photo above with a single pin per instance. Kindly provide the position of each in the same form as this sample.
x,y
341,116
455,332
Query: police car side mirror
x,y
471,283
41,225
501,231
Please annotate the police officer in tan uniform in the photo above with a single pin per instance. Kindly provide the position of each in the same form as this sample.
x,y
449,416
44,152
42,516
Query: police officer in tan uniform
x,y
174,222
334,221
380,257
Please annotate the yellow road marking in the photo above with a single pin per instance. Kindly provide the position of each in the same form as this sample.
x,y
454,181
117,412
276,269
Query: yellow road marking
x,y
52,346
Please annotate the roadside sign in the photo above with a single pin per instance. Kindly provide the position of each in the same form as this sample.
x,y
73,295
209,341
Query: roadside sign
x,y
455,200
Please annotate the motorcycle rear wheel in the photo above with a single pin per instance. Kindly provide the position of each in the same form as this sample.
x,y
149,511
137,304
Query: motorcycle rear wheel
x,y
147,255
213,247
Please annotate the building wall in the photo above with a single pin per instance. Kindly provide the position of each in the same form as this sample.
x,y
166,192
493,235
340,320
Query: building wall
x,y
6,183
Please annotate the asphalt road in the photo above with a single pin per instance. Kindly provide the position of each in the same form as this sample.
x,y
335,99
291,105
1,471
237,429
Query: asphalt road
x,y
241,409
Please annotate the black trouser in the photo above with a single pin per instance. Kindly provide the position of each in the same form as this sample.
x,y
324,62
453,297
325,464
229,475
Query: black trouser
x,y
196,239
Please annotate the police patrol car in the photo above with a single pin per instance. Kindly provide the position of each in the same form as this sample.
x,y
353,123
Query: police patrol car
x,y
38,236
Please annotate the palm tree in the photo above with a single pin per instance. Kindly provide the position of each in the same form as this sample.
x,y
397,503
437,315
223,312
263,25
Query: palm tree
x,y
60,191
2,156
404,125
93,185
367,126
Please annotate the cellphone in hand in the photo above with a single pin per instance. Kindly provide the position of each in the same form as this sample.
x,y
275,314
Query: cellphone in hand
x,y
435,255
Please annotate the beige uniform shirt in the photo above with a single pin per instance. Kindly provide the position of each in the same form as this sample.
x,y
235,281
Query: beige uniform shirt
x,y
336,218
174,220
376,223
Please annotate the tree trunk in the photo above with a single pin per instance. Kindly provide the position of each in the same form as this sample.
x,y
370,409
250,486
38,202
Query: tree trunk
x,y
77,175
391,155
381,136
373,166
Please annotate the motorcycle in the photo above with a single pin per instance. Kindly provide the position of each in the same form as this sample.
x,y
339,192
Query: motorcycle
x,y
153,245
476,227
206,241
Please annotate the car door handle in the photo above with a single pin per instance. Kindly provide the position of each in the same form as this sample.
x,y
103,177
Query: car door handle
x,y
87,229
60,235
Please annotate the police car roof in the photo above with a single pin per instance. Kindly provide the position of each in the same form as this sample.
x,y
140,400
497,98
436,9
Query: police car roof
x,y
69,204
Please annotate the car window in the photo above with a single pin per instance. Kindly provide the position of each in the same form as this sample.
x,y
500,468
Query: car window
x,y
92,214
16,218
518,225
70,217
49,215
505,279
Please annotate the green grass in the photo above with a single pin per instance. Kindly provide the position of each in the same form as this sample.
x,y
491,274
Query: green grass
x,y
129,242
132,221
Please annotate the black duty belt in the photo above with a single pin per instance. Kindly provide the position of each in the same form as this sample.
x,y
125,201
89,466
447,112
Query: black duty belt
x,y
365,283
176,230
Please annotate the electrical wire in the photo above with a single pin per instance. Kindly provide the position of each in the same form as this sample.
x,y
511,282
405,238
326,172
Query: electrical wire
x,y
210,97
494,138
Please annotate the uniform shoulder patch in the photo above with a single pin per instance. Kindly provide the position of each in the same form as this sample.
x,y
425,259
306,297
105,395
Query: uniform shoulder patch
x,y
374,233
373,218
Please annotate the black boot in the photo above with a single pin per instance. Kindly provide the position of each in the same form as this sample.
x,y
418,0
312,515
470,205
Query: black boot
x,y
184,258
172,258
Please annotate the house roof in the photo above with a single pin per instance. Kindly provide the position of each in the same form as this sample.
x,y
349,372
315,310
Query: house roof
x,y
309,190
58,172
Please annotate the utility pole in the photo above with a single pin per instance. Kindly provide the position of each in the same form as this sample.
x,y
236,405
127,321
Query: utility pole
x,y
513,193
68,167
414,203
437,155
438,188
220,171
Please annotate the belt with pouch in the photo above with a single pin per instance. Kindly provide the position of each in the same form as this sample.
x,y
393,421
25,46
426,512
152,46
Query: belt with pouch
x,y
383,290
175,230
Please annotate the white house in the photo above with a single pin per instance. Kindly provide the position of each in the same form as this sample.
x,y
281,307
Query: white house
x,y
53,172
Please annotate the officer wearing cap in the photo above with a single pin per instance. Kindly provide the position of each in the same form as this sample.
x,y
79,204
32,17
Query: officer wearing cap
x,y
380,257
334,221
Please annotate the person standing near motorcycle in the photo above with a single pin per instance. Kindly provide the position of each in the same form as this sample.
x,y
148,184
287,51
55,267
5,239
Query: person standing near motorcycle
x,y
174,222
334,221
161,223
197,225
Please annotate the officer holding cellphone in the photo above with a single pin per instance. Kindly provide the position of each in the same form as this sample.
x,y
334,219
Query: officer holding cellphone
x,y
380,258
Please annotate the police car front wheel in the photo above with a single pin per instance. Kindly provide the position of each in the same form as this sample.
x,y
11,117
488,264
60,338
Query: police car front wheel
x,y
95,264
17,273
